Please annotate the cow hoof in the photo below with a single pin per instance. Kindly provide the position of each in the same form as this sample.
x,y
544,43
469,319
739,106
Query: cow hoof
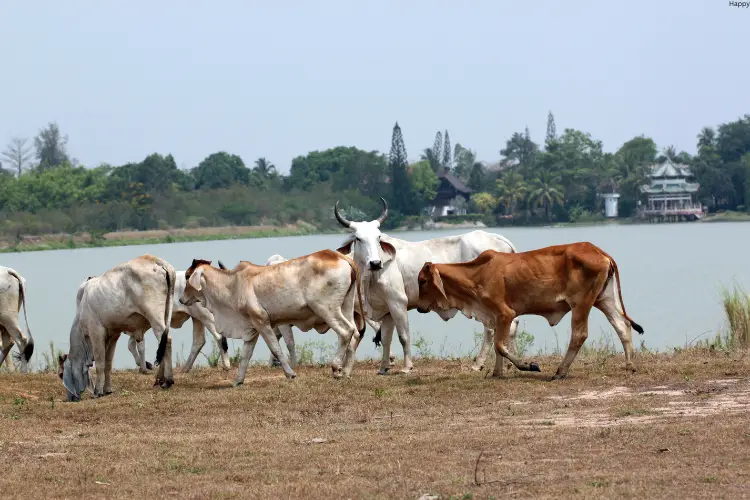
x,y
167,383
407,370
149,366
477,368
556,376
383,371
533,367
158,381
107,392
237,383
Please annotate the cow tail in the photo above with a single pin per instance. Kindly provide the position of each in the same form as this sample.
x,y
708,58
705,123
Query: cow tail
x,y
171,279
613,267
29,349
356,281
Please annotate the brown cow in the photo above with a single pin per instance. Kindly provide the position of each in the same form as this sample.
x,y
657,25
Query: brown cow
x,y
497,287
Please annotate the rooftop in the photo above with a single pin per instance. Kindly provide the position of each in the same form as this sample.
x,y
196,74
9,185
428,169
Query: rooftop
x,y
454,181
668,169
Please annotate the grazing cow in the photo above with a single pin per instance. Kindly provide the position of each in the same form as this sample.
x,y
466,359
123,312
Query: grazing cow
x,y
12,298
497,287
280,330
131,297
202,319
314,291
390,279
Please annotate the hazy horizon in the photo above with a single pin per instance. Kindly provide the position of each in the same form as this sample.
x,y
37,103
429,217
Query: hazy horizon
x,y
256,79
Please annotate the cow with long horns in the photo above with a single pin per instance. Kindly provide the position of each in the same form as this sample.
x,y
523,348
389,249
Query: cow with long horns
x,y
390,267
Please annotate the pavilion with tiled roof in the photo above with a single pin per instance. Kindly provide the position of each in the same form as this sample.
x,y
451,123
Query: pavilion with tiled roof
x,y
449,188
670,193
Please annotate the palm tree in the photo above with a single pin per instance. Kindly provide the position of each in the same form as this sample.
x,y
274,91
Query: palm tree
x,y
264,169
546,192
707,138
510,190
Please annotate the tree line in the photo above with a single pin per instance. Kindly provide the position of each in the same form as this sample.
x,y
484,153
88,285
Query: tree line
x,y
45,190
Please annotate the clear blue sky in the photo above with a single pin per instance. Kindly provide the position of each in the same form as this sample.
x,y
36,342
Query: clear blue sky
x,y
278,79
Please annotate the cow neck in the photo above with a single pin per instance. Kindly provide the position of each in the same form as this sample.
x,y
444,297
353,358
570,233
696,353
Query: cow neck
x,y
459,277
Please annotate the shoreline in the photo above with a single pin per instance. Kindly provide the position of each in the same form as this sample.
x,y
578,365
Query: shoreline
x,y
185,235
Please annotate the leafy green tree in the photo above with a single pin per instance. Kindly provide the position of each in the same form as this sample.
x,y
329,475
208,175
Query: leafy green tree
x,y
220,170
51,147
476,176
483,203
429,155
423,184
520,150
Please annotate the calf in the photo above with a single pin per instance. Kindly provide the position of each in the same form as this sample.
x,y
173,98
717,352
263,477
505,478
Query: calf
x,y
314,291
12,298
497,287
131,297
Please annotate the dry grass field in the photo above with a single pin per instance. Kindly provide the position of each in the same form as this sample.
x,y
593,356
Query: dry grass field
x,y
679,428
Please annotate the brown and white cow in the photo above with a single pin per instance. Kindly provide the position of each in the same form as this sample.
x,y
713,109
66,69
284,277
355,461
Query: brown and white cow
x,y
313,291
497,287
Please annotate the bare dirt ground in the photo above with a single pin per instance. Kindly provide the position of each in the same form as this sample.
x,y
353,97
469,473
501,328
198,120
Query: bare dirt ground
x,y
679,428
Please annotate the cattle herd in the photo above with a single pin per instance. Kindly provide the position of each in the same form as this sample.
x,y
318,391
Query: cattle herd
x,y
371,278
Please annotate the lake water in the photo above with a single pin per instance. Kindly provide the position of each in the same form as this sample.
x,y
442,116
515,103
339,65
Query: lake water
x,y
670,275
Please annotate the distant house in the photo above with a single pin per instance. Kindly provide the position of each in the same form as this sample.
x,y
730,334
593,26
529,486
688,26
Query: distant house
x,y
450,187
670,194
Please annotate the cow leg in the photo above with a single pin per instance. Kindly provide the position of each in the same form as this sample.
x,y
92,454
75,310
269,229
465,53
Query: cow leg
x,y
98,338
503,363
111,342
386,336
273,360
579,334
7,345
10,325
208,322
141,345
273,345
138,350
288,334
502,335
608,304
484,350
247,352
400,318
164,375
199,340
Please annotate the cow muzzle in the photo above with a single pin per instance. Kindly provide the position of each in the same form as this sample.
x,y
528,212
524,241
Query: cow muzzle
x,y
422,310
375,265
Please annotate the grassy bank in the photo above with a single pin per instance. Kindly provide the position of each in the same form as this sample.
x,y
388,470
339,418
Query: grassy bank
x,y
443,431
127,238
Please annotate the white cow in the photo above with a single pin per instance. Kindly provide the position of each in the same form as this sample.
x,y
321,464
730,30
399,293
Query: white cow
x,y
280,330
12,298
389,277
131,297
202,320
314,291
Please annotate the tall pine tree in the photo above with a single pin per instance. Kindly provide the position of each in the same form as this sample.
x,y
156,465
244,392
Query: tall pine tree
x,y
447,160
437,149
397,164
551,131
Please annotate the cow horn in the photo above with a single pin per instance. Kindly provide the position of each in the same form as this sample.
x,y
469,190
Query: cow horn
x,y
385,211
339,217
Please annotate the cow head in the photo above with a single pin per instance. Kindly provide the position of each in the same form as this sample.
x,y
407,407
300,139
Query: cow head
x,y
431,291
365,244
73,368
194,282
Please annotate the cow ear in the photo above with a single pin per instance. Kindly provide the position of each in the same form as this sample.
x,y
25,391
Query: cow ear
x,y
195,278
438,281
61,358
388,248
346,248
